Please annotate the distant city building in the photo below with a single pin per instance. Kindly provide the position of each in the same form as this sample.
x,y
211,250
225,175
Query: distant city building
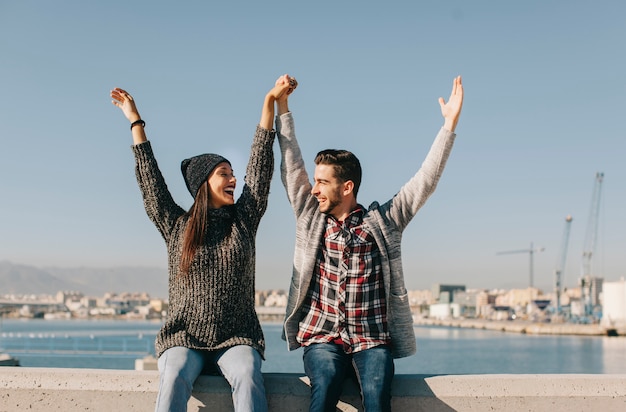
x,y
276,298
469,301
420,297
591,287
445,310
502,313
445,293
65,296
442,301
518,297
158,305
273,297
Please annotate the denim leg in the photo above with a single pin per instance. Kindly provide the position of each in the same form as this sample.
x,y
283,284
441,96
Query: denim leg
x,y
178,369
241,366
326,365
374,370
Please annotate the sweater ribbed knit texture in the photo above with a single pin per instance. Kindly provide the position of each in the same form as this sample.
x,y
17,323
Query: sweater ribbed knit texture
x,y
212,307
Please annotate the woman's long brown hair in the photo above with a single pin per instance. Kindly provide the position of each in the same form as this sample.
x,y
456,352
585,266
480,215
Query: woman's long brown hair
x,y
196,226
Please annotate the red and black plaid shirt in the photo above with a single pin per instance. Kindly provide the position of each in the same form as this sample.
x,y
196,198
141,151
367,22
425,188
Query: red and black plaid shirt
x,y
346,301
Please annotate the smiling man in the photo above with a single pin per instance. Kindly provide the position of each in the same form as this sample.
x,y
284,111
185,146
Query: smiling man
x,y
348,305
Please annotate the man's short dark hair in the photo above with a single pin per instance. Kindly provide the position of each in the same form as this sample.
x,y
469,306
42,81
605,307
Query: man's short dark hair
x,y
345,164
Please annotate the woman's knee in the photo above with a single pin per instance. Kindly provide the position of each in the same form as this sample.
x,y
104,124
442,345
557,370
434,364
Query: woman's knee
x,y
241,365
179,366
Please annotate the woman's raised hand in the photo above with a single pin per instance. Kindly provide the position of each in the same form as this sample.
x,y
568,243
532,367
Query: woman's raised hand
x,y
123,100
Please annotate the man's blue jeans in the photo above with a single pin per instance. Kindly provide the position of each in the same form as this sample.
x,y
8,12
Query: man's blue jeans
x,y
327,366
240,365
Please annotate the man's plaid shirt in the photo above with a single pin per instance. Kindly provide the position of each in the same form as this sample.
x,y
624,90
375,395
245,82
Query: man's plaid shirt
x,y
346,300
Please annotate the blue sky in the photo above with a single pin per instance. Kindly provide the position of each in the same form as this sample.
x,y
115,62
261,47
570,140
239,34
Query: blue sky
x,y
544,84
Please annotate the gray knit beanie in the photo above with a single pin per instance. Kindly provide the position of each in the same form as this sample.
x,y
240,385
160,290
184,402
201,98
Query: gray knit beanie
x,y
197,169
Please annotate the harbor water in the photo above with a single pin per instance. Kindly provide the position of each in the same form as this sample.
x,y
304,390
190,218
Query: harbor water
x,y
115,344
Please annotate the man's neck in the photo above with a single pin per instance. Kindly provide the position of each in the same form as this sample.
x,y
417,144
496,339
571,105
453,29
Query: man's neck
x,y
342,211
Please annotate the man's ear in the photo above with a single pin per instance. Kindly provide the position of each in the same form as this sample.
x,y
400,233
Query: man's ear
x,y
348,187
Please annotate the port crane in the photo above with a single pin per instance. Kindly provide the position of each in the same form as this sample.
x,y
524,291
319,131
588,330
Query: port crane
x,y
591,237
560,268
531,251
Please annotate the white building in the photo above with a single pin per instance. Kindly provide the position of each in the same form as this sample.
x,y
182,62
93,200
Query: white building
x,y
614,303
445,310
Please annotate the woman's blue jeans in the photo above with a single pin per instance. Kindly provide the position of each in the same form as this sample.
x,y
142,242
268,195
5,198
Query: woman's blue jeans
x,y
327,366
240,365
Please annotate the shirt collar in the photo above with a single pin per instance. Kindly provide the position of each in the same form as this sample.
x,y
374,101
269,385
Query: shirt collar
x,y
355,218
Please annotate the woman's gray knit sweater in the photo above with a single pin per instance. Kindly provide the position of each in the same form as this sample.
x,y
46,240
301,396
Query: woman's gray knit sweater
x,y
213,307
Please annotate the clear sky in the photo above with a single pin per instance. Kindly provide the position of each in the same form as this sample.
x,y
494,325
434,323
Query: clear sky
x,y
543,112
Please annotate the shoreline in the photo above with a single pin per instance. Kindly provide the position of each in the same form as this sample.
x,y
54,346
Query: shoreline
x,y
525,327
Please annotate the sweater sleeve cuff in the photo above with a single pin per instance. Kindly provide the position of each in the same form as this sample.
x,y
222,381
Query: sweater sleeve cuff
x,y
142,151
447,132
284,117
284,122
264,134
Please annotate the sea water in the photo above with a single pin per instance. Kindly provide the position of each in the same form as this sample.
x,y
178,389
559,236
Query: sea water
x,y
115,344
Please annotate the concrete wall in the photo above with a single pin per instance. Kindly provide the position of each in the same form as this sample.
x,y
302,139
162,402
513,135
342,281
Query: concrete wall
x,y
45,389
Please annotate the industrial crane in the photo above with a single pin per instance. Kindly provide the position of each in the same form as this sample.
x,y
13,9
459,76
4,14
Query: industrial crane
x,y
558,272
591,237
530,252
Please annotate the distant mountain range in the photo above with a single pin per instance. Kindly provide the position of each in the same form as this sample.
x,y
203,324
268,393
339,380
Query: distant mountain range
x,y
24,279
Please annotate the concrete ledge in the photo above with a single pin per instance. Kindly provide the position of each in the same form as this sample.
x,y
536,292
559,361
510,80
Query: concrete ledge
x,y
44,389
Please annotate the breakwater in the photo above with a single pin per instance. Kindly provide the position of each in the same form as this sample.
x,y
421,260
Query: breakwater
x,y
521,326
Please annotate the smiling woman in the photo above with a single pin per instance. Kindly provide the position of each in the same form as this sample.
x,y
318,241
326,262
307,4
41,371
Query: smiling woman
x,y
200,177
212,323
222,182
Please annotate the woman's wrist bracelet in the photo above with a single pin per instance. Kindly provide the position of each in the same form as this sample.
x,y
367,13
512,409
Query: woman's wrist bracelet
x,y
137,122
